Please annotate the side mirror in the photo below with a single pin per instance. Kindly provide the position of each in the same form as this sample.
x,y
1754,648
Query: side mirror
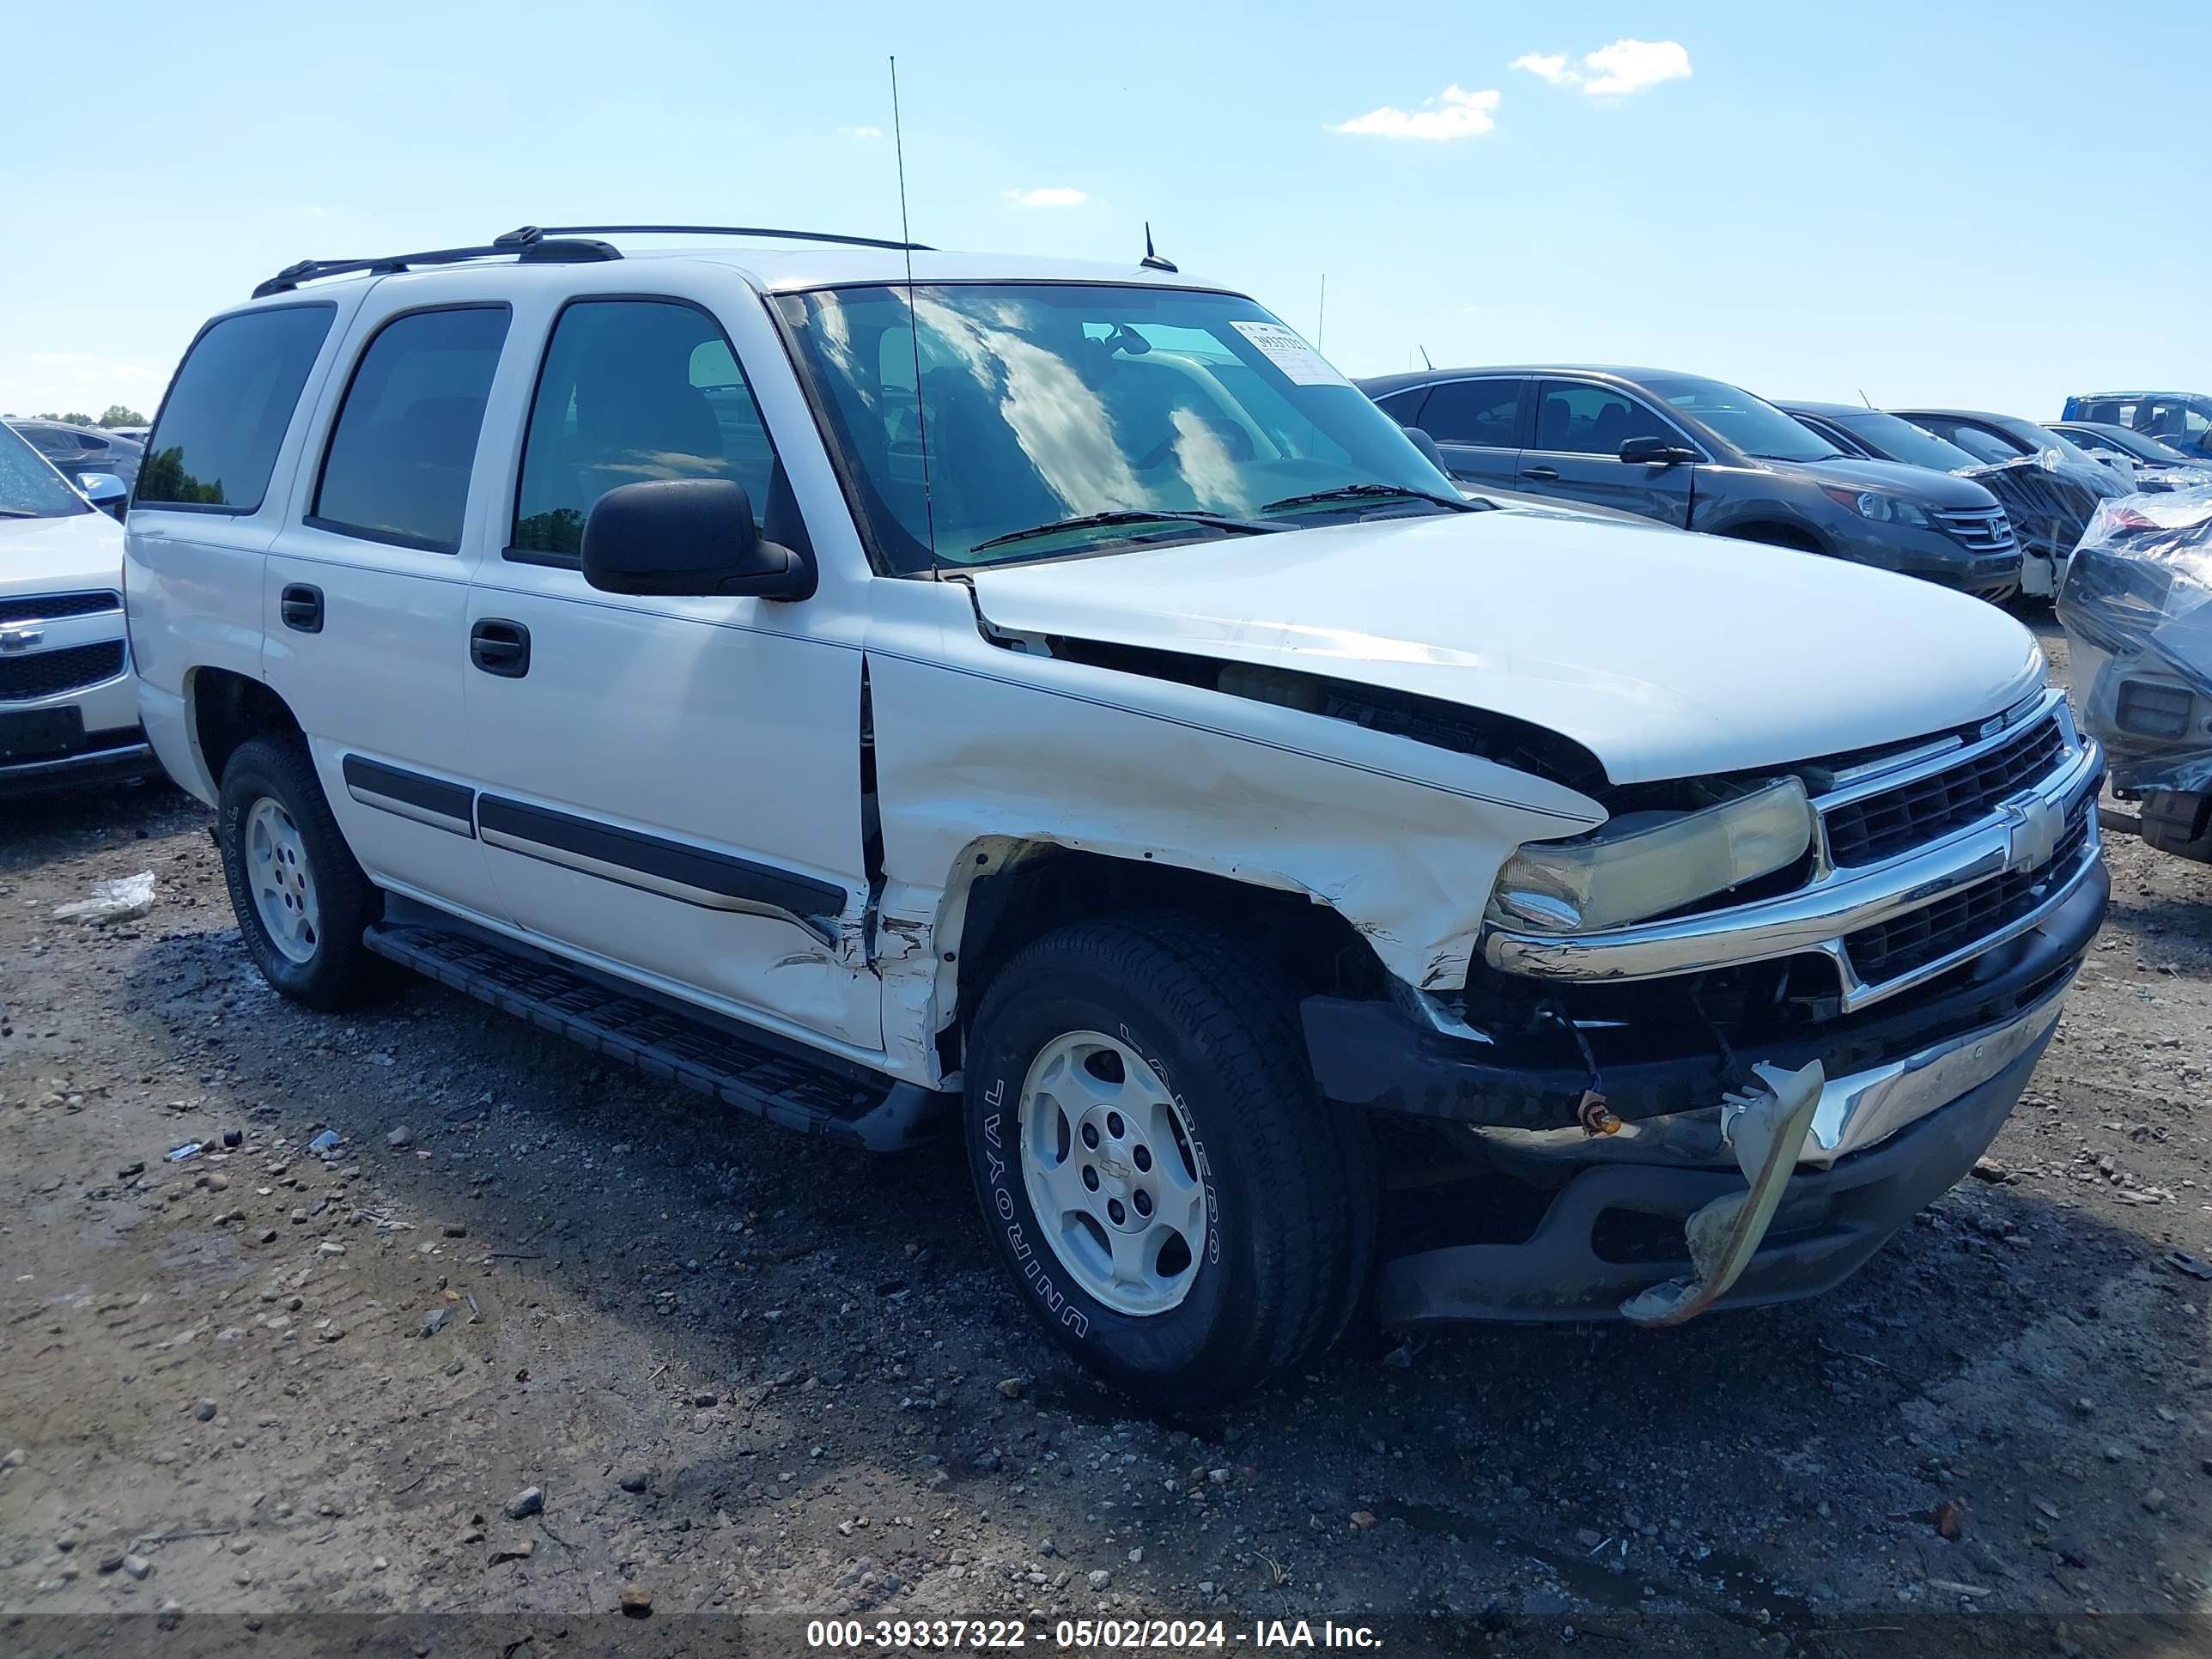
x,y
1655,452
105,491
1427,446
688,537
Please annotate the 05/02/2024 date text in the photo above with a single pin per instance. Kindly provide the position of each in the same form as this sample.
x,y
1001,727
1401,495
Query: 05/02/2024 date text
x,y
1082,1635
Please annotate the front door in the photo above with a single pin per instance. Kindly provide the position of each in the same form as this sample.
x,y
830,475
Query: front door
x,y
1580,428
670,786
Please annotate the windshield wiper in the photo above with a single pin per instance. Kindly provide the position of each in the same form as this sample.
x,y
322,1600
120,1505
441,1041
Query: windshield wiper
x,y
1375,492
1125,516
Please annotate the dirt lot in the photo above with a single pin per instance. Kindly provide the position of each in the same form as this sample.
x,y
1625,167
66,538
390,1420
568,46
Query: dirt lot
x,y
748,1373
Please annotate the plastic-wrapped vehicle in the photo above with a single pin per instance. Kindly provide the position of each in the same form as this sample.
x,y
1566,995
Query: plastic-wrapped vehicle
x,y
2048,504
2138,609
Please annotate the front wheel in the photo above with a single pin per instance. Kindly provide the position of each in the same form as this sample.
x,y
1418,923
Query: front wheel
x,y
1179,1208
301,901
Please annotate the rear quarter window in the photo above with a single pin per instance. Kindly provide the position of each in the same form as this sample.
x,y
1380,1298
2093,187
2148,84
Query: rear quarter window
x,y
214,442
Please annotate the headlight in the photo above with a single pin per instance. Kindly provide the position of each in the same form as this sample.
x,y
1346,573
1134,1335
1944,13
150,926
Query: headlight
x,y
1634,868
1882,509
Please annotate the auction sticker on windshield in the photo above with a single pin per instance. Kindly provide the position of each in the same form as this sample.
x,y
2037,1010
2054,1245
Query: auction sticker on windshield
x,y
1300,363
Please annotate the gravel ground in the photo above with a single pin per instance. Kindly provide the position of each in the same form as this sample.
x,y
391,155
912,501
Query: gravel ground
x,y
744,1371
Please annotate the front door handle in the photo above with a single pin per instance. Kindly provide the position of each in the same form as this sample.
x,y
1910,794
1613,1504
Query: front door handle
x,y
501,647
301,607
1549,474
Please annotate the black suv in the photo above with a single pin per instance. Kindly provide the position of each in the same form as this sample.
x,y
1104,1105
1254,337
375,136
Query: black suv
x,y
1703,455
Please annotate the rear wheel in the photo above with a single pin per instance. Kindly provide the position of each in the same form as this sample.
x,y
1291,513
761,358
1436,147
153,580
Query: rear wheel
x,y
301,901
1179,1208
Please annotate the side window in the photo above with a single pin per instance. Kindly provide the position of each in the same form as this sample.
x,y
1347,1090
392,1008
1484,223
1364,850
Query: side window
x,y
1404,407
1982,445
1594,420
1486,413
1999,436
400,457
633,390
214,442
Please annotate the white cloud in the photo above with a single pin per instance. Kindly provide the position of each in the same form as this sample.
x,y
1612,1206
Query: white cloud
x,y
1613,71
862,133
1547,66
1455,113
1053,196
1627,66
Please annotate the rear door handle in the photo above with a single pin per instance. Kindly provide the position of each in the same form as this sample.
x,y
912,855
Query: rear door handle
x,y
501,647
1547,473
301,606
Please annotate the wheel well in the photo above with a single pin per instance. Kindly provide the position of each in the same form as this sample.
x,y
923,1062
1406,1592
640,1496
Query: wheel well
x,y
227,709
1309,946
1777,535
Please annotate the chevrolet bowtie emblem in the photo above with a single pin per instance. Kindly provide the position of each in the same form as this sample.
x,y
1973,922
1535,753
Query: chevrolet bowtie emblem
x,y
15,639
2036,825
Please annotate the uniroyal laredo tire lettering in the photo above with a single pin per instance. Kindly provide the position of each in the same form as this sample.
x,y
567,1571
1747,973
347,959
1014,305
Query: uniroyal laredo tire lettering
x,y
996,1168
1057,1301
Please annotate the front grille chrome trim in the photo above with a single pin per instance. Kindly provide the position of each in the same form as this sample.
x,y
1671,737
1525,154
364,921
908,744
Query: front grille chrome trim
x,y
1814,918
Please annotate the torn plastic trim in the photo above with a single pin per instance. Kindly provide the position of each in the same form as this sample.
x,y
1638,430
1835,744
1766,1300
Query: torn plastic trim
x,y
1504,739
1854,1113
1764,1127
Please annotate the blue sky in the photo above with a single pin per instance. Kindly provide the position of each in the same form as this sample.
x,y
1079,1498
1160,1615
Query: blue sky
x,y
1988,205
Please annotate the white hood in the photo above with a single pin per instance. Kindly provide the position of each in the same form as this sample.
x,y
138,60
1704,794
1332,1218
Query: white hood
x,y
58,556
1666,655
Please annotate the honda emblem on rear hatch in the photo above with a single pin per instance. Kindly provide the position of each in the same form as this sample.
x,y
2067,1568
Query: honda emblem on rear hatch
x,y
2036,825
13,640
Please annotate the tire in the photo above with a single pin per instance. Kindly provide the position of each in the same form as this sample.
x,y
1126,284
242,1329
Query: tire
x,y
1117,1010
270,789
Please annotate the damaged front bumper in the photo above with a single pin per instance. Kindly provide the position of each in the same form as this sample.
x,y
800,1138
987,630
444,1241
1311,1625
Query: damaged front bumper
x,y
1887,1111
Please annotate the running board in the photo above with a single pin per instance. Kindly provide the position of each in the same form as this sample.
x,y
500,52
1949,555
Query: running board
x,y
696,1050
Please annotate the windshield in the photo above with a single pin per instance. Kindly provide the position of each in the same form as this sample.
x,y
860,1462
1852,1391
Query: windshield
x,y
1046,403
29,488
1752,424
1895,440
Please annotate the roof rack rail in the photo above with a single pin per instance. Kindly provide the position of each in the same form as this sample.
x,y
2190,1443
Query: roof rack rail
x,y
536,250
530,234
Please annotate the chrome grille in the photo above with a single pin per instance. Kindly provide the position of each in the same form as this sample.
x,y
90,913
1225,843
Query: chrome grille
x,y
50,673
1982,530
1898,946
52,607
1887,822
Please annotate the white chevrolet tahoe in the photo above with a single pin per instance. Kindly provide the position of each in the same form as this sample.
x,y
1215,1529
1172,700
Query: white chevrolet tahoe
x,y
68,711
1048,701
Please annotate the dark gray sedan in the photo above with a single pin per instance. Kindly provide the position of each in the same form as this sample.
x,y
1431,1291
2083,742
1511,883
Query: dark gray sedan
x,y
1703,455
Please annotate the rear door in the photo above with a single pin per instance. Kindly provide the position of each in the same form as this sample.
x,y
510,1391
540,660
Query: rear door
x,y
367,585
1477,424
1574,452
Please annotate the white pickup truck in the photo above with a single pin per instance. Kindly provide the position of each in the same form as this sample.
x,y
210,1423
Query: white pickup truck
x,y
895,691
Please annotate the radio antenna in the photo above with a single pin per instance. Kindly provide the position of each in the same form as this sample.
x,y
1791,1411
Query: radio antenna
x,y
914,328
